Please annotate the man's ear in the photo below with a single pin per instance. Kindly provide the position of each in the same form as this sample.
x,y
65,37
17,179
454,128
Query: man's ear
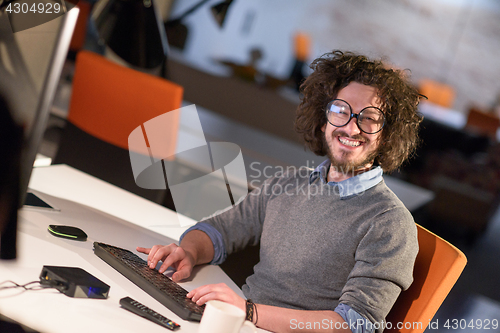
x,y
323,128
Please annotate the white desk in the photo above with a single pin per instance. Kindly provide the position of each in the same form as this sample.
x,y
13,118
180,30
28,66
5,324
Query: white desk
x,y
90,204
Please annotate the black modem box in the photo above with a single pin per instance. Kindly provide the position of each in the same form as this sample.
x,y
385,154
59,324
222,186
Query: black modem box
x,y
73,282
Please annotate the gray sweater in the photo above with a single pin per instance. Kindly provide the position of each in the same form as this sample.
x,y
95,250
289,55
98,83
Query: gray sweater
x,y
318,250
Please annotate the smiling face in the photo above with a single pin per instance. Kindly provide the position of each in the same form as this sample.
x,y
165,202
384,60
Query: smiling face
x,y
348,148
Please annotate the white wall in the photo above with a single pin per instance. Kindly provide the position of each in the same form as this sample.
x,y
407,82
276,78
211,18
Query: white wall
x,y
453,41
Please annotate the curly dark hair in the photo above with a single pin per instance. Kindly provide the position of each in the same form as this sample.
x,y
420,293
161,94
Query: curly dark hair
x,y
399,99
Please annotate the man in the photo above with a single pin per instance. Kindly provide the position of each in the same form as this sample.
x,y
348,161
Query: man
x,y
336,245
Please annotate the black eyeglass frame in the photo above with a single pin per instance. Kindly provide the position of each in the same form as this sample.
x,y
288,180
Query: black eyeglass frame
x,y
354,115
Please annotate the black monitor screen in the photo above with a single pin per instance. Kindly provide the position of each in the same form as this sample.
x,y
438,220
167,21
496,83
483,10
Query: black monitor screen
x,y
31,62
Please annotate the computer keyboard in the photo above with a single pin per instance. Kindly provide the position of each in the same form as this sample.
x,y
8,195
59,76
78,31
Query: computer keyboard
x,y
157,285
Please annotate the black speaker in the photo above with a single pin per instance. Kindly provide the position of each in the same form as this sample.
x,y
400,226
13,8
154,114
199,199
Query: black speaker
x,y
73,282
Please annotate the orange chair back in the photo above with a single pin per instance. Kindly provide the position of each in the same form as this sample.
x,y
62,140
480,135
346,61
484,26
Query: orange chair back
x,y
482,122
437,268
437,93
302,46
109,100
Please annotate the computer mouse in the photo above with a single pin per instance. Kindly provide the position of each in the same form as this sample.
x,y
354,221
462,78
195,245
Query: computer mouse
x,y
65,231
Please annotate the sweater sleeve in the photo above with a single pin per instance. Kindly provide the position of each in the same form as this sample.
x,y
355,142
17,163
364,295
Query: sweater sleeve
x,y
216,238
384,263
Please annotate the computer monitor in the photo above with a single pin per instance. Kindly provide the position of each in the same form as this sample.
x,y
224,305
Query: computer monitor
x,y
31,62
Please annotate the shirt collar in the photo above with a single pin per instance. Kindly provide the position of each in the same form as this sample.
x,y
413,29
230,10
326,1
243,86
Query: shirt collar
x,y
351,186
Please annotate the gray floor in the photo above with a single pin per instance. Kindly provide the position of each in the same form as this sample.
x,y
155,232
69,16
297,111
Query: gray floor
x,y
474,299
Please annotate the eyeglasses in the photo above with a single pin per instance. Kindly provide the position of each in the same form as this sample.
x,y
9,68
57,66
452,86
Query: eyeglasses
x,y
369,120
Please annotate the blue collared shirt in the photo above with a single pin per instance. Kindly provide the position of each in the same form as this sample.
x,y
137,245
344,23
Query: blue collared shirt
x,y
351,186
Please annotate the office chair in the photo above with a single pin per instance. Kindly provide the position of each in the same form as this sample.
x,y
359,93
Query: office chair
x,y
437,93
437,268
108,102
483,123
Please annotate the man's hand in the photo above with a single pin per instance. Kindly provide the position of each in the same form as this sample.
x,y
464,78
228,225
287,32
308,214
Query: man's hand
x,y
271,318
171,255
220,292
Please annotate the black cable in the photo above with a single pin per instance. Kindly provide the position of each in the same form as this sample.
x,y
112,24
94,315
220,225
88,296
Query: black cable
x,y
25,286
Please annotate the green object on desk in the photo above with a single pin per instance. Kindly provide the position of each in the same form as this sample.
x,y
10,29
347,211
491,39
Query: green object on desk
x,y
65,231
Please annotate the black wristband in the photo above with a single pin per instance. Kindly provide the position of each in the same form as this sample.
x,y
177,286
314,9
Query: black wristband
x,y
250,310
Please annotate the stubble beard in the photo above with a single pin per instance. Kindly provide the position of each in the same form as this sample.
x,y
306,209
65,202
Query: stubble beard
x,y
346,167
